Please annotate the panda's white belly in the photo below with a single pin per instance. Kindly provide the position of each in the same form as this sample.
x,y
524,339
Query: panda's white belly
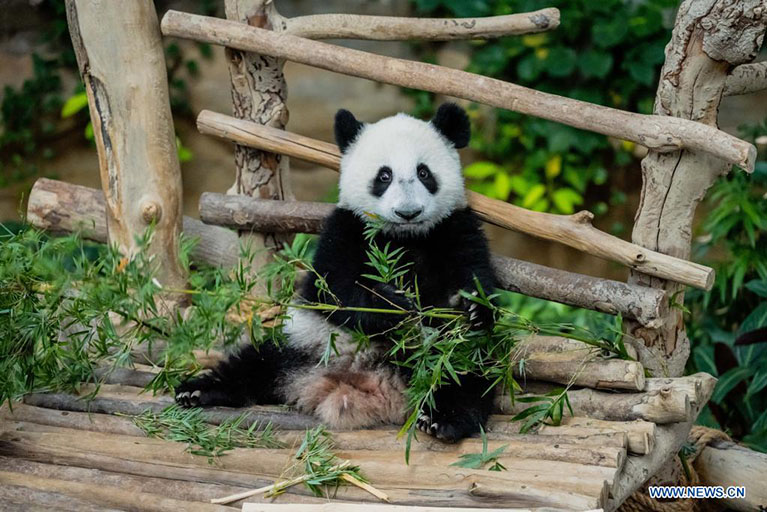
x,y
352,390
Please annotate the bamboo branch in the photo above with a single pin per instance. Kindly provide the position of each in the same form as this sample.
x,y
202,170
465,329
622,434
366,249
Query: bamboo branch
x,y
63,208
659,133
746,78
572,230
390,28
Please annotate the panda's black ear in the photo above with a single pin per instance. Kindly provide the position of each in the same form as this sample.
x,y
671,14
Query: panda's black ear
x,y
452,122
346,129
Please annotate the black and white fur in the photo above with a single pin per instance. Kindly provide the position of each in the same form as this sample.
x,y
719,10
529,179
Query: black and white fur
x,y
407,173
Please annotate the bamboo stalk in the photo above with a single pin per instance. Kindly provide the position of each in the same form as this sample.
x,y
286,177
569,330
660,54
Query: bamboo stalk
x,y
661,134
62,207
573,230
391,28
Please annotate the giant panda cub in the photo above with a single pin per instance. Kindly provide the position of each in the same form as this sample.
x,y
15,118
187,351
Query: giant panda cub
x,y
407,174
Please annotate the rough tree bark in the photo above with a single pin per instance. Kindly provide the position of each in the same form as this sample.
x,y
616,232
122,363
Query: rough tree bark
x,y
710,37
120,56
259,93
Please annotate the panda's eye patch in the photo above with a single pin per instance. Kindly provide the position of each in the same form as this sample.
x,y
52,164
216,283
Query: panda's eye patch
x,y
381,182
427,178
384,174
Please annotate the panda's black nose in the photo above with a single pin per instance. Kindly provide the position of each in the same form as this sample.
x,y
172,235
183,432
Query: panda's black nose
x,y
408,214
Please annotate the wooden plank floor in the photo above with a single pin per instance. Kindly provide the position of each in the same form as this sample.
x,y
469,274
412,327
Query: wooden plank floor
x,y
55,453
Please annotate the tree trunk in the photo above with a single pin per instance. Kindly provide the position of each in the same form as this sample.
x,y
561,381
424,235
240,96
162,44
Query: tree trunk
x,y
710,37
120,55
259,93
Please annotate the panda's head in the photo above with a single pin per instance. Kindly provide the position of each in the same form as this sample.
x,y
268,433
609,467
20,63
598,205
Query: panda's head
x,y
401,170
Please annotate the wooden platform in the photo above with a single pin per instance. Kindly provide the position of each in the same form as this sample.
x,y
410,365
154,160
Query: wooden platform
x,y
54,453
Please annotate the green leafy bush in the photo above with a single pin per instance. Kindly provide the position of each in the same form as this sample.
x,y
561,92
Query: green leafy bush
x,y
735,243
33,116
607,52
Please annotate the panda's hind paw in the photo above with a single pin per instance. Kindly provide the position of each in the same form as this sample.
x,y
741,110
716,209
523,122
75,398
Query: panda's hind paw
x,y
188,398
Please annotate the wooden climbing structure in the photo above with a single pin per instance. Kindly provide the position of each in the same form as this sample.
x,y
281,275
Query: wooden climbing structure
x,y
58,450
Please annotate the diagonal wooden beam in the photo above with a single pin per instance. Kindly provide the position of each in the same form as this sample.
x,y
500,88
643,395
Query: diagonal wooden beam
x,y
572,230
662,134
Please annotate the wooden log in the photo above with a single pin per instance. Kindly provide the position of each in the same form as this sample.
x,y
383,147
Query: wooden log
x,y
270,463
391,28
666,405
105,496
697,386
121,60
560,344
259,93
581,365
104,423
129,402
573,230
62,208
661,134
746,79
640,435
577,449
709,38
174,489
726,464
669,439
367,507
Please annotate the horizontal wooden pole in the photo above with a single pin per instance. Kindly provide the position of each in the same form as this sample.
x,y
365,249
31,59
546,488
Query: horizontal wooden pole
x,y
573,230
392,28
746,78
62,207
667,405
663,134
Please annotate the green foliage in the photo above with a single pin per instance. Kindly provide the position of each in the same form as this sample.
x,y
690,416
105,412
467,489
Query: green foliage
x,y
542,165
188,426
67,308
549,407
40,111
480,460
317,467
735,243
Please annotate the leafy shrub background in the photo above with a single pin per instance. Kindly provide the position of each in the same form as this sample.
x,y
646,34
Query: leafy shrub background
x,y
607,52
42,110
610,53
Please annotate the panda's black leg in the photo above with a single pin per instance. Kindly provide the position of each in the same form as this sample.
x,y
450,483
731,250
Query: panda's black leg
x,y
460,410
248,377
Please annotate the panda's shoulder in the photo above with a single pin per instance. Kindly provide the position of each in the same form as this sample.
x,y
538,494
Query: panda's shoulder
x,y
460,222
342,224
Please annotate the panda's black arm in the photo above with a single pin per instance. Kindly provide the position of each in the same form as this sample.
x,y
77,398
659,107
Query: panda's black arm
x,y
470,253
340,261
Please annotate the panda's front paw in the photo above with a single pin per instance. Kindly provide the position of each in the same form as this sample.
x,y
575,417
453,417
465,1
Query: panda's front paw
x,y
441,428
391,295
480,316
188,394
